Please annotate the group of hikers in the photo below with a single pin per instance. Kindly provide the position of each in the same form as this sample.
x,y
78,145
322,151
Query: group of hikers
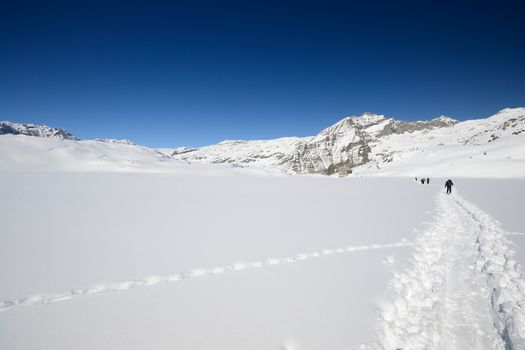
x,y
448,184
423,180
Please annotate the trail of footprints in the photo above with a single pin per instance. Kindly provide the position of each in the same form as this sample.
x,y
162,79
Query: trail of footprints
x,y
195,273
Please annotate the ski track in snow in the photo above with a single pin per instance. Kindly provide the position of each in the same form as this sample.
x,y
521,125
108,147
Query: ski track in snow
x,y
195,273
515,233
463,290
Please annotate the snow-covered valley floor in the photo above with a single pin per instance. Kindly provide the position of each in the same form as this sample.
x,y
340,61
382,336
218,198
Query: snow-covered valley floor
x,y
231,259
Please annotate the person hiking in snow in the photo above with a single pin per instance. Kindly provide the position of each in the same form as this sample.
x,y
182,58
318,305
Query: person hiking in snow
x,y
449,185
428,180
423,181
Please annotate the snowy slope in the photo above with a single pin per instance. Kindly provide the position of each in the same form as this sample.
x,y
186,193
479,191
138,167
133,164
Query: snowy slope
x,y
26,154
242,153
492,147
20,152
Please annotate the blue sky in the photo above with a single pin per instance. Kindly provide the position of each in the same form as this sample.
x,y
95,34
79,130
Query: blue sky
x,y
197,72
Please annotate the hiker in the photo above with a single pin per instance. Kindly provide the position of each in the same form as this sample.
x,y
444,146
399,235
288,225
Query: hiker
x,y
449,185
428,180
423,181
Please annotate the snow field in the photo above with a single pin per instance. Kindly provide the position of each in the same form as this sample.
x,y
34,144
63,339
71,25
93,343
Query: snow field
x,y
61,230
75,231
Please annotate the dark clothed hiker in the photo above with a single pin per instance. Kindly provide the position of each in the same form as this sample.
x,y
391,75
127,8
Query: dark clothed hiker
x,y
449,185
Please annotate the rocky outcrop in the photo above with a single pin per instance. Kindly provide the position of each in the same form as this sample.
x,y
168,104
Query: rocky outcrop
x,y
347,144
34,130
336,149
400,127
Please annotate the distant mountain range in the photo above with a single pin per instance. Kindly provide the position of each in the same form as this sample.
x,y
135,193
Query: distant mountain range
x,y
336,149
365,143
369,141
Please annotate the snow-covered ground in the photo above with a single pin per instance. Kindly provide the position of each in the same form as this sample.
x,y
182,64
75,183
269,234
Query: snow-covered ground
x,y
223,259
65,231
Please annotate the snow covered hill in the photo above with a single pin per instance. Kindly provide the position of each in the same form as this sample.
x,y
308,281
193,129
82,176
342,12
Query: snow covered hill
x,y
20,152
369,144
271,153
492,147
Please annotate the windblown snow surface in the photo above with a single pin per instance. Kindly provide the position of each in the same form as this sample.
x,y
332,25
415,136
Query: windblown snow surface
x,y
115,246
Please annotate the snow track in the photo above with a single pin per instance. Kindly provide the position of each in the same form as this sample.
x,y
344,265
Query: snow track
x,y
464,289
196,273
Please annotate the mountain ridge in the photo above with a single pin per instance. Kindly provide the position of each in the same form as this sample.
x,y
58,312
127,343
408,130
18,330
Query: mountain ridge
x,y
356,143
365,143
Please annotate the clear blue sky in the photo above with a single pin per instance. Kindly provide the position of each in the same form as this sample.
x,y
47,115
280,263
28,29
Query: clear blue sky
x,y
197,72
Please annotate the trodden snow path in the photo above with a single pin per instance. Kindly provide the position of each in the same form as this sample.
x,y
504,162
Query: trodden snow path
x,y
103,288
464,289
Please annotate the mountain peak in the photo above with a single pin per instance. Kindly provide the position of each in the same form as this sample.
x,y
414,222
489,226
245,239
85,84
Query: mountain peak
x,y
362,120
445,120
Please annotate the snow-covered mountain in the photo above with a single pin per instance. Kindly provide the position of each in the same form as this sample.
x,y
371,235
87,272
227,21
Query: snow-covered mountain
x,y
493,147
264,153
348,143
34,130
370,142
367,144
338,148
